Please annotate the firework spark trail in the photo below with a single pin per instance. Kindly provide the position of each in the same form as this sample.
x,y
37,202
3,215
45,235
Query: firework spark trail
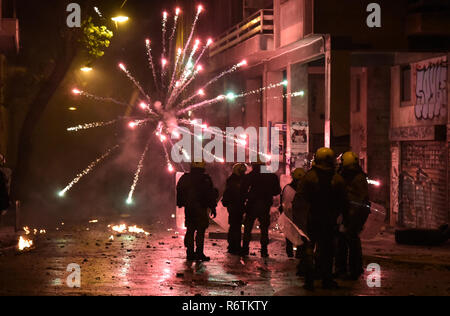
x,y
227,72
229,138
215,79
219,159
192,97
98,12
150,61
136,83
269,87
182,150
175,69
174,30
137,174
97,98
166,152
87,170
92,125
201,105
137,123
200,9
164,30
181,89
175,25
199,58
189,65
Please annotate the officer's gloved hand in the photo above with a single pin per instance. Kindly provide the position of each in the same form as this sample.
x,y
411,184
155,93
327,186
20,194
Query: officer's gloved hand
x,y
214,213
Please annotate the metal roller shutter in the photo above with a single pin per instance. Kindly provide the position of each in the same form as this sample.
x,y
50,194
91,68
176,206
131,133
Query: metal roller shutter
x,y
424,184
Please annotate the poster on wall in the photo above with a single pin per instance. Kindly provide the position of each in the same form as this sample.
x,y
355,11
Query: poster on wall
x,y
430,88
299,144
299,137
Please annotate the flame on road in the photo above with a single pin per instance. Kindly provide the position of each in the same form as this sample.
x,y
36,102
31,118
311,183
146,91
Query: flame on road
x,y
131,229
24,243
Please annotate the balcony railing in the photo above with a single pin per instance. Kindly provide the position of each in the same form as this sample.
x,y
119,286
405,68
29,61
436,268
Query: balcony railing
x,y
259,23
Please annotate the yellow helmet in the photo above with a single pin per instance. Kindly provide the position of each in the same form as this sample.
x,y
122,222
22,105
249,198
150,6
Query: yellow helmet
x,y
325,158
198,165
298,174
350,159
239,169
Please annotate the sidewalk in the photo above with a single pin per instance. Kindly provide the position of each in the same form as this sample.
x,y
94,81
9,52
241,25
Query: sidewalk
x,y
8,237
384,247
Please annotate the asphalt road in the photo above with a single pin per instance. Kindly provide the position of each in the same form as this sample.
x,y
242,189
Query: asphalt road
x,y
135,264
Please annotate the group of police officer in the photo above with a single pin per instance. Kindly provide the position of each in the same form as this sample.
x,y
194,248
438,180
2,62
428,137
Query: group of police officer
x,y
329,203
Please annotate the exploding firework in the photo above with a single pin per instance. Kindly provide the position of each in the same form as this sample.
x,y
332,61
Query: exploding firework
x,y
165,105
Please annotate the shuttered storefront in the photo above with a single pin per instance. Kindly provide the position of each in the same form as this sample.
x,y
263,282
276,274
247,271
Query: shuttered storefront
x,y
424,184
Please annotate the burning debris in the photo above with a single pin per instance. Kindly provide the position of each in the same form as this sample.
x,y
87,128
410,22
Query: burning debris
x,y
24,243
123,228
35,231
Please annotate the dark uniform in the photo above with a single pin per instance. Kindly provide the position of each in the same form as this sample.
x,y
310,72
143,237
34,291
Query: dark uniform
x,y
234,202
293,186
355,217
196,193
259,189
323,192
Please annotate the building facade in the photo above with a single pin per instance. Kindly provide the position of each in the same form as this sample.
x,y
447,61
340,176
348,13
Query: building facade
x,y
9,44
373,84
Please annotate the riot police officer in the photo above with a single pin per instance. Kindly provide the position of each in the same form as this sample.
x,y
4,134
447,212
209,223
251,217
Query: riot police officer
x,y
196,193
323,192
234,202
349,256
259,189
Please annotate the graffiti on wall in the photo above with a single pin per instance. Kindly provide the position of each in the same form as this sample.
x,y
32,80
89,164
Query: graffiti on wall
x,y
431,89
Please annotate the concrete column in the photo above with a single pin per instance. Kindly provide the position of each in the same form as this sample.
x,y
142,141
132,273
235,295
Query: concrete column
x,y
298,114
277,23
337,103
327,91
274,100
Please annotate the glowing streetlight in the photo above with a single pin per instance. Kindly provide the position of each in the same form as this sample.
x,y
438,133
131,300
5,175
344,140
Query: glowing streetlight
x,y
72,108
120,19
86,69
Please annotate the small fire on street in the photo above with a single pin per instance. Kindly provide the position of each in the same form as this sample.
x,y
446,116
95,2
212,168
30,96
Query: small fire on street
x,y
24,243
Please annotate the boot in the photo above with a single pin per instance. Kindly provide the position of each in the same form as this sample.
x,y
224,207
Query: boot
x,y
201,257
264,253
191,256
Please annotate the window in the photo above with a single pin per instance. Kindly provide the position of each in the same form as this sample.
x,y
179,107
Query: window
x,y
406,85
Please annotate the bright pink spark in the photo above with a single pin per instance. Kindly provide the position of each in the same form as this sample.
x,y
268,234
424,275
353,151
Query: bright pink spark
x,y
200,9
210,41
165,14
164,62
147,41
122,66
132,125
243,63
201,92
199,68
170,168
143,105
177,11
76,91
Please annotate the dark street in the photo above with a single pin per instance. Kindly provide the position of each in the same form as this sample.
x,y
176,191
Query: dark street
x,y
236,148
